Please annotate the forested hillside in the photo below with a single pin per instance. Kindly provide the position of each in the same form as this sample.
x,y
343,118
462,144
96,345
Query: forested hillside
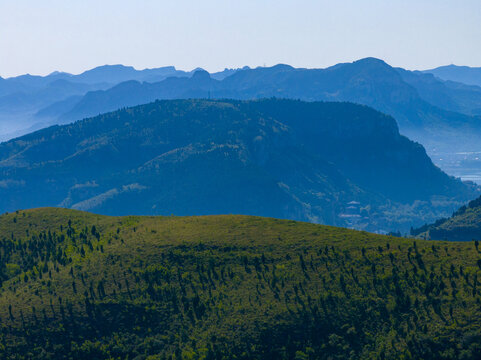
x,y
279,158
463,225
77,285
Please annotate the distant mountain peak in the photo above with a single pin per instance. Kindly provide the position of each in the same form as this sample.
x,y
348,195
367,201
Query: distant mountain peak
x,y
57,73
283,66
462,74
112,66
197,69
109,68
201,74
371,59
277,67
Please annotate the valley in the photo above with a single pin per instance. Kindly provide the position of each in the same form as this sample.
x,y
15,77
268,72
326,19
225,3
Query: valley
x,y
465,165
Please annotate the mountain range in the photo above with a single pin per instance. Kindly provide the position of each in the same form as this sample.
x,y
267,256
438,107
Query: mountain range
x,y
280,158
428,110
25,100
461,74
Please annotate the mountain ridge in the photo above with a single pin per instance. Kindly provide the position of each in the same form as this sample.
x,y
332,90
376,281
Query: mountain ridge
x,y
461,74
31,101
427,110
280,158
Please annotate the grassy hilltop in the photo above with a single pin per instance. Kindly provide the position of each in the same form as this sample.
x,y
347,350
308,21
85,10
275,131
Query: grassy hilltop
x,y
77,285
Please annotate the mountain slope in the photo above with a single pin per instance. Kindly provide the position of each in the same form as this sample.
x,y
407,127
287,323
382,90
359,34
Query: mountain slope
x,y
447,95
35,101
462,74
427,110
463,225
78,285
279,158
434,112
133,93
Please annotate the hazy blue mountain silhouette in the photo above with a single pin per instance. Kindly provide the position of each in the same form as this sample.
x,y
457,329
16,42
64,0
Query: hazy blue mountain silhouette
x,y
427,109
447,95
29,102
463,74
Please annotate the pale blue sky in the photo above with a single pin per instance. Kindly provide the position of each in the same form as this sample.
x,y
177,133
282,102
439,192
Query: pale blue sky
x,y
39,37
